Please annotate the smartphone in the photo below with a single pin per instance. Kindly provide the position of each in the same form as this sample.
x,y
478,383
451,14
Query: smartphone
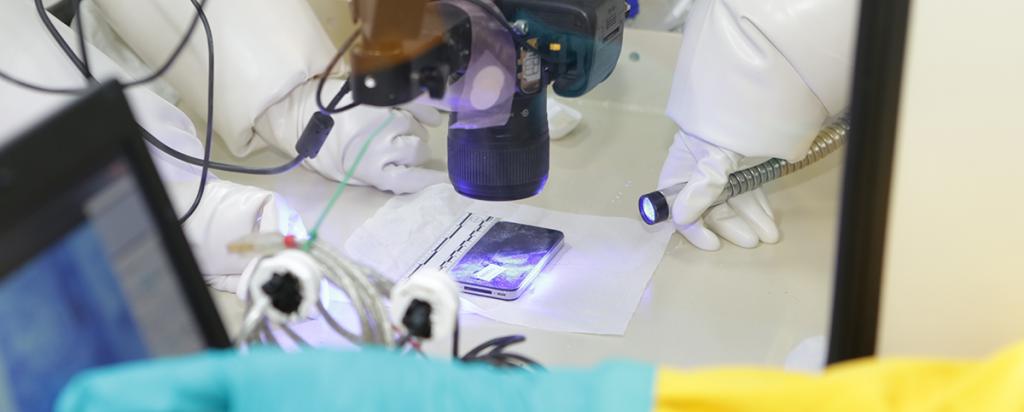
x,y
506,260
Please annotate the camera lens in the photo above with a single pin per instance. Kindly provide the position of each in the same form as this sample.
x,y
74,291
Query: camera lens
x,y
503,163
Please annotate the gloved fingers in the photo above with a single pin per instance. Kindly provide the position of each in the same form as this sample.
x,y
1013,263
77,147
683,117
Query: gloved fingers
x,y
762,200
426,115
276,215
724,221
700,236
407,150
402,179
753,208
562,119
702,189
404,124
227,212
402,143
679,163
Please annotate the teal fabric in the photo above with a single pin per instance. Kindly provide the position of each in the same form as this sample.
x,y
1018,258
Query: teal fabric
x,y
369,380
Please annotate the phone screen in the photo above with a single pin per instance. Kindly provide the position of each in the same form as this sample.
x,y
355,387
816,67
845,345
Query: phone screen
x,y
507,256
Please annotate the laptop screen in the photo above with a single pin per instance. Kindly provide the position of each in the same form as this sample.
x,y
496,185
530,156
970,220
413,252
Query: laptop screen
x,y
86,281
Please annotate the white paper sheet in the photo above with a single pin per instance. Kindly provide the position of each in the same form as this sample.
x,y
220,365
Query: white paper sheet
x,y
592,286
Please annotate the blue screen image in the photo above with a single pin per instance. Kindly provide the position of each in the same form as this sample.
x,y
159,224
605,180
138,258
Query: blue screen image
x,y
74,315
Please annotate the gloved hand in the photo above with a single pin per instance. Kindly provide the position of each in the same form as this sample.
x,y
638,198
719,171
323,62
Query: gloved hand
x,y
754,79
369,380
392,160
227,210
269,53
745,220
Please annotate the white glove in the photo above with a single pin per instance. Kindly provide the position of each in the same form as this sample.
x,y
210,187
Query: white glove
x,y
393,158
268,52
745,220
758,79
227,210
562,119
263,48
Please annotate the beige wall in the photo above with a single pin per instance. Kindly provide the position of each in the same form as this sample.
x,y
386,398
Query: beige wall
x,y
954,270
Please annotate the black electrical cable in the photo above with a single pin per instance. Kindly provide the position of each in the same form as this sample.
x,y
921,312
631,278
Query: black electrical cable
x,y
86,72
82,49
208,149
80,63
493,352
291,164
496,343
170,151
332,107
206,163
44,17
345,88
42,89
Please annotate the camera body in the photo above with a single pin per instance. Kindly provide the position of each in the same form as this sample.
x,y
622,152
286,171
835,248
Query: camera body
x,y
571,45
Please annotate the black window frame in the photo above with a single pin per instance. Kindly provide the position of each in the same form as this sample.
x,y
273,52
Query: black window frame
x,y
878,72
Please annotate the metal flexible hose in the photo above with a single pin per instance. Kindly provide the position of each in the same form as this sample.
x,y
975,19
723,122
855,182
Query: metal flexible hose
x,y
829,139
656,207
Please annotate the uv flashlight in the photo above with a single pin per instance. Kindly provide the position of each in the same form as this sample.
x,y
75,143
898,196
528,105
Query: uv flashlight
x,y
656,207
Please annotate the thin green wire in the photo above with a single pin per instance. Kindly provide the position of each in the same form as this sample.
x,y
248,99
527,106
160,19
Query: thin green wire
x,y
344,182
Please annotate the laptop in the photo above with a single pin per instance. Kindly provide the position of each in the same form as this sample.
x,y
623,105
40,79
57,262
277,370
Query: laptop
x,y
94,269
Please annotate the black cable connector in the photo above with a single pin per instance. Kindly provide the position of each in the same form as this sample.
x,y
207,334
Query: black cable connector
x,y
417,319
314,135
284,291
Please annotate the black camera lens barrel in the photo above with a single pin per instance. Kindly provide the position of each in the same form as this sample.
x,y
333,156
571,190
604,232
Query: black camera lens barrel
x,y
503,163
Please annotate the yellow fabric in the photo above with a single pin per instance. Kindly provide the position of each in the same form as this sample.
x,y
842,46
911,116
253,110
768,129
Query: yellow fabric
x,y
868,385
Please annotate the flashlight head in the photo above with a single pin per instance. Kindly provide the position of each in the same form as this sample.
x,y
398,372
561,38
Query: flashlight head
x,y
654,208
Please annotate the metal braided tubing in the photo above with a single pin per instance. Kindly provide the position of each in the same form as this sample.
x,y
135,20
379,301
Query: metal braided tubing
x,y
829,139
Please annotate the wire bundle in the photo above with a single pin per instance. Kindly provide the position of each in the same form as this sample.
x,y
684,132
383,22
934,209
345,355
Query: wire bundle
x,y
365,289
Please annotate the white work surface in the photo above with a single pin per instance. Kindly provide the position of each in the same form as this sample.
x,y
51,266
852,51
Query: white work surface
x,y
701,308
